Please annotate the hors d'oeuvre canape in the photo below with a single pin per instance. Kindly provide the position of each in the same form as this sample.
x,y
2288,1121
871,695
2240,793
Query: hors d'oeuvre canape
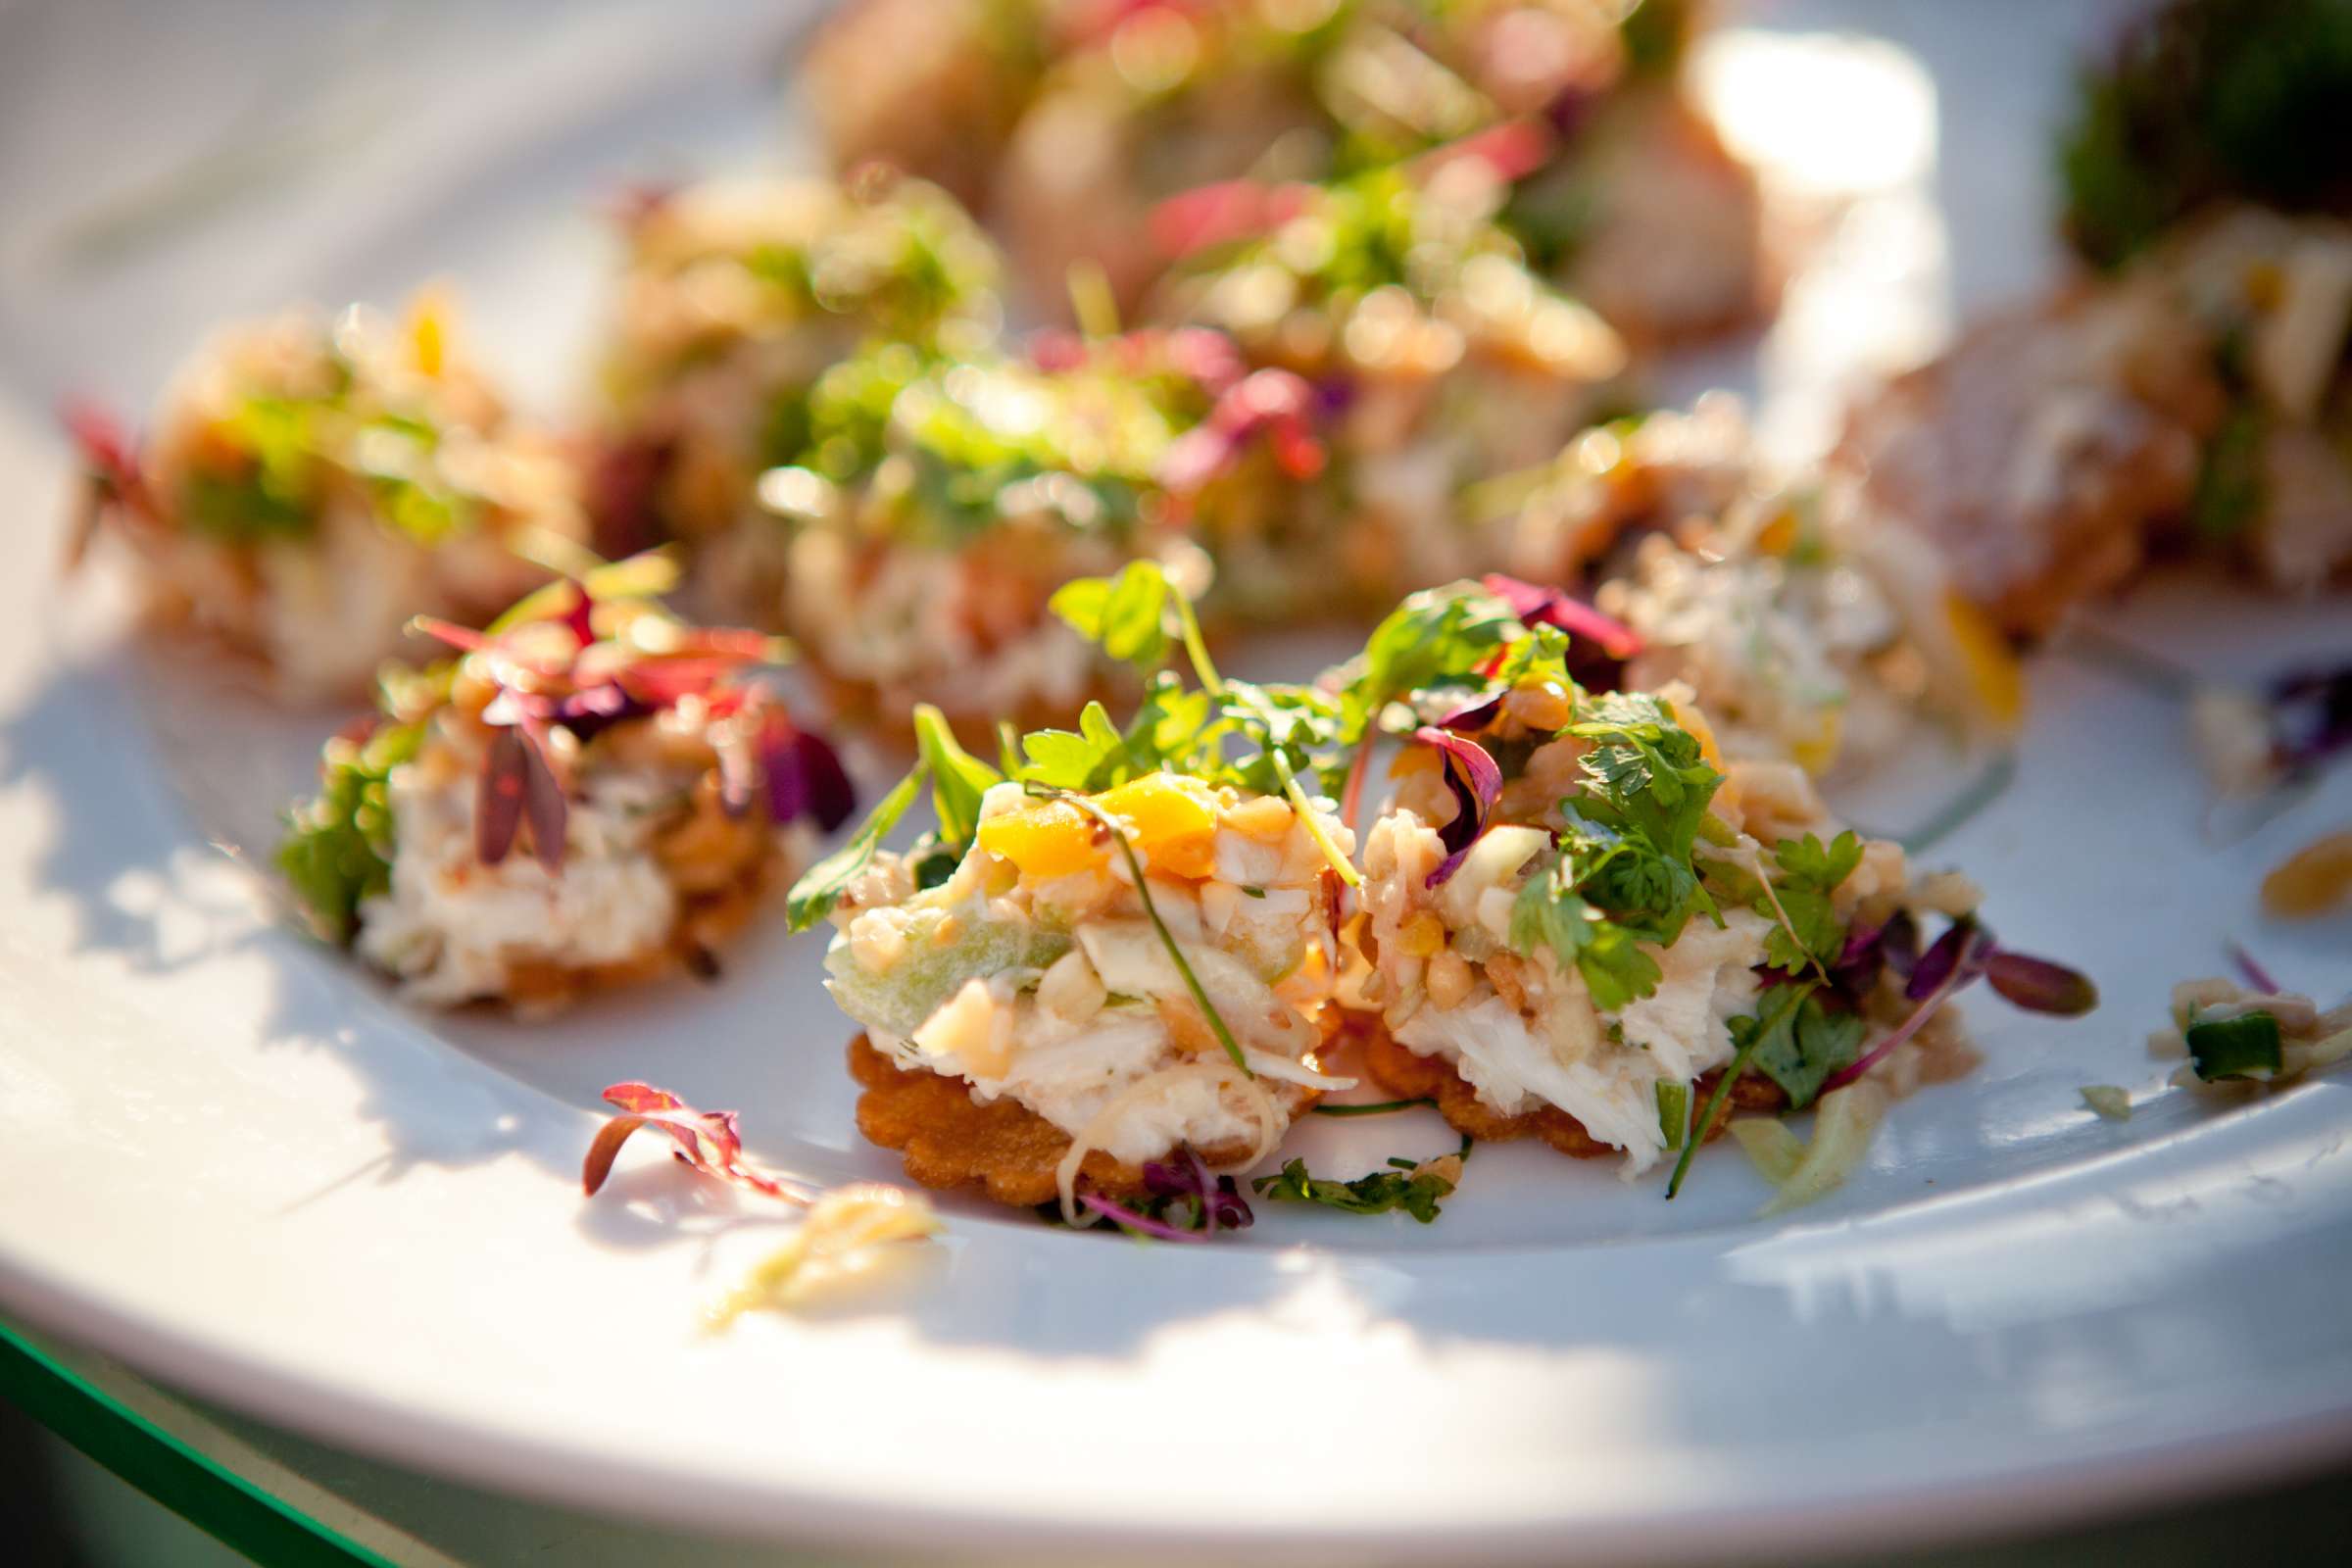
x,y
942,503
738,295
590,793
2198,399
1625,191
2193,391
313,482
1806,629
1584,925
1438,361
1115,953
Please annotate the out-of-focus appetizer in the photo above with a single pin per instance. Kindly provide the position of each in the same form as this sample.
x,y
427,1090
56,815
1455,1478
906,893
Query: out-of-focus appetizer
x,y
1116,950
2204,103
738,295
1584,923
2196,391
941,502
1626,195
590,794
1436,360
1807,629
930,86
311,483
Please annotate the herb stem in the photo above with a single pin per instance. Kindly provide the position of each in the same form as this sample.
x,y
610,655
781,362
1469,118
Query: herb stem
x,y
1307,812
1196,646
1697,1134
1352,796
1168,938
1381,1108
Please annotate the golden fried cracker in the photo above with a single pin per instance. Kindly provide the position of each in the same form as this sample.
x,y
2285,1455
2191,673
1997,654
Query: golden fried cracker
x,y
1003,1150
1410,1076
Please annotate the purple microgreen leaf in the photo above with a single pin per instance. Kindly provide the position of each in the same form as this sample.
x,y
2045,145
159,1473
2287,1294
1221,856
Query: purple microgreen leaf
x,y
1899,941
1549,607
1216,1203
705,1140
1941,962
2039,986
803,776
589,713
1129,1219
1475,781
1895,1037
543,803
1471,717
498,803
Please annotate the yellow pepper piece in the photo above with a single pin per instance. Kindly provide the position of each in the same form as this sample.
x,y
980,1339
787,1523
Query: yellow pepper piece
x,y
1993,673
1045,840
1171,821
430,311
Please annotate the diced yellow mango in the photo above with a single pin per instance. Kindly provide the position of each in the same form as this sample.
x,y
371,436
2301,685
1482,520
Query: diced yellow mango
x,y
1688,716
1045,840
1779,536
1818,751
1173,822
1994,674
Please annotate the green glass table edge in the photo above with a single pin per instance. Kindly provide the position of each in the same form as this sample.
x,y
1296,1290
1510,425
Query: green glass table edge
x,y
214,1498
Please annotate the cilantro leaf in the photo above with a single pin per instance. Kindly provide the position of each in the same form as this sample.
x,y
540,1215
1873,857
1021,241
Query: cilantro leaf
x,y
1416,1188
1549,912
1646,773
1437,638
1802,1049
1810,874
821,886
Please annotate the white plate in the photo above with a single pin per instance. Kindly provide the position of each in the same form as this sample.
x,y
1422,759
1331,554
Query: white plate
x,y
229,1161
